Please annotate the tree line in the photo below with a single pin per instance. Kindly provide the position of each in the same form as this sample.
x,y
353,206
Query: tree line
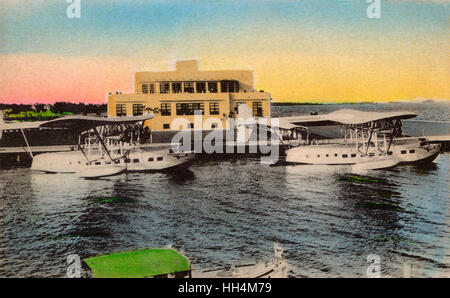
x,y
57,107
40,111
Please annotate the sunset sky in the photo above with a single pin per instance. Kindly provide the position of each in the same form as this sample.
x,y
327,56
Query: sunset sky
x,y
310,50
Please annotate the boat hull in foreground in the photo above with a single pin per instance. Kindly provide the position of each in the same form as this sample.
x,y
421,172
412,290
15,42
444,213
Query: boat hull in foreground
x,y
274,269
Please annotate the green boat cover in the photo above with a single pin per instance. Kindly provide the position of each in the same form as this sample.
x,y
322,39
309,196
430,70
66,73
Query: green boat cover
x,y
136,264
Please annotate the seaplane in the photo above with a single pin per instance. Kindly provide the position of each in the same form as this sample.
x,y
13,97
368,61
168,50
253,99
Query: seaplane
x,y
371,141
108,146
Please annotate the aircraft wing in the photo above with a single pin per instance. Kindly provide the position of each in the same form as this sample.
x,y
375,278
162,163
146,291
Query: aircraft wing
x,y
83,123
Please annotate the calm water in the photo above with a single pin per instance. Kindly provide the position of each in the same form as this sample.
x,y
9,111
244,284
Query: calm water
x,y
232,211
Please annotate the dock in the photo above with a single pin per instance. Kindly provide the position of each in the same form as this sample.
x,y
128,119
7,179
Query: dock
x,y
37,149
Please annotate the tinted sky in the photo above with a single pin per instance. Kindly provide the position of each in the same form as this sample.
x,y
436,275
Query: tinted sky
x,y
316,50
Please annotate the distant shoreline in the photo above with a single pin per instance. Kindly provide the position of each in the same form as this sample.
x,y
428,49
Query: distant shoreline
x,y
280,103
317,103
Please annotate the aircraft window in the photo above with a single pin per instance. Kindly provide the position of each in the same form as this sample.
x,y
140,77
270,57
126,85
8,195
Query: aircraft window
x,y
353,155
159,158
371,154
335,155
412,151
326,155
390,153
127,160
307,155
150,159
403,152
135,160
117,161
318,155
344,155
98,163
107,162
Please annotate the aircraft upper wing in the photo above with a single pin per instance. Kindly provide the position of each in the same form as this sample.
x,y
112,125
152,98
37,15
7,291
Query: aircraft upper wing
x,y
346,116
83,123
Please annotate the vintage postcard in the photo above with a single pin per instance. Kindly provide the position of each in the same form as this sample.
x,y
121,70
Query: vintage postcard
x,y
224,139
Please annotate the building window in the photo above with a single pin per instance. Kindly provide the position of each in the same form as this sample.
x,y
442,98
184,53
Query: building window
x,y
145,88
257,109
189,108
152,88
214,108
189,87
229,86
214,125
176,88
164,87
181,108
212,87
190,125
138,109
166,126
201,87
165,109
121,110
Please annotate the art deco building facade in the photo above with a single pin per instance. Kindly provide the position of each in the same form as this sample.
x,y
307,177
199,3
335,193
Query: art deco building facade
x,y
178,94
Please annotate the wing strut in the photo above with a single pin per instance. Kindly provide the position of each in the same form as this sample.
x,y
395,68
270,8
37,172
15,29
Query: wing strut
x,y
368,142
79,147
102,143
26,141
391,137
